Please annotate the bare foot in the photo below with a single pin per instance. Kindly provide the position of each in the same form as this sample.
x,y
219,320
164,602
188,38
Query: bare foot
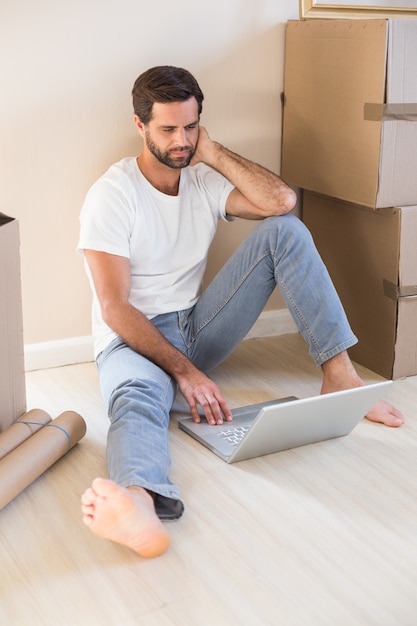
x,y
385,413
339,373
126,516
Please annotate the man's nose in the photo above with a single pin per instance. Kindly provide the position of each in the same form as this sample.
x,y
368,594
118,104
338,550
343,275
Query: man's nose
x,y
181,137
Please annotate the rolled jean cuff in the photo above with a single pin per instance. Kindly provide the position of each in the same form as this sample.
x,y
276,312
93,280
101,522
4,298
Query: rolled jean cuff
x,y
167,507
322,357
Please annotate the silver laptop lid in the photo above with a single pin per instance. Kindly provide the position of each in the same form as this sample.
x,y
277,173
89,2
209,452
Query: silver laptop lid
x,y
307,421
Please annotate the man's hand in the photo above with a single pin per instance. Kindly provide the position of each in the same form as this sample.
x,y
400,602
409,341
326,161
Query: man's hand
x,y
204,148
199,389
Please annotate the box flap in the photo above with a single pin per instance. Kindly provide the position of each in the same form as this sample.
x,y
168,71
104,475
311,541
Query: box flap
x,y
402,61
397,170
397,179
5,219
405,362
12,374
408,249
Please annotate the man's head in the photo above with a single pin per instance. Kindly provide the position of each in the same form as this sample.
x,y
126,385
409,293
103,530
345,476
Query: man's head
x,y
164,84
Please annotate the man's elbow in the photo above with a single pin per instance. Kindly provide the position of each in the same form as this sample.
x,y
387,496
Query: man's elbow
x,y
287,200
109,313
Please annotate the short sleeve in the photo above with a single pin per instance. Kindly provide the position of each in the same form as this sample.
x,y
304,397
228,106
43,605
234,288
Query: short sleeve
x,y
106,220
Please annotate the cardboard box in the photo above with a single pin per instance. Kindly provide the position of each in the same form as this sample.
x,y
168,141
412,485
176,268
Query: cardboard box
x,y
350,110
372,259
12,370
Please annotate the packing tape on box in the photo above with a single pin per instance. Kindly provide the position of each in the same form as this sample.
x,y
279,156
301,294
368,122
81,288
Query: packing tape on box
x,y
34,456
399,291
374,112
22,429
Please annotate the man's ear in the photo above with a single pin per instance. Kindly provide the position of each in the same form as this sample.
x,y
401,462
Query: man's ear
x,y
140,126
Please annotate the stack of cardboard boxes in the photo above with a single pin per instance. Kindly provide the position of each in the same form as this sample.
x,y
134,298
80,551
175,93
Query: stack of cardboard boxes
x,y
12,370
350,142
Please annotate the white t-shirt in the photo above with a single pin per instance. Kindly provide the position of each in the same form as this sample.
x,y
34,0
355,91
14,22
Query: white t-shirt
x,y
166,238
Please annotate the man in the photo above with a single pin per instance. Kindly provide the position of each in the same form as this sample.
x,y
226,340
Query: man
x,y
146,227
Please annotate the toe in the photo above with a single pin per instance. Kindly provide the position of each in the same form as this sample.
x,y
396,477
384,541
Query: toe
x,y
88,497
104,487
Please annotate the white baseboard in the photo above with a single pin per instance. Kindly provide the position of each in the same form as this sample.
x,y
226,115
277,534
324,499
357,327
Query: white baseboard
x,y
39,356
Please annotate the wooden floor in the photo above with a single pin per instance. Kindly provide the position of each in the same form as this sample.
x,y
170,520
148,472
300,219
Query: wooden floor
x,y
321,535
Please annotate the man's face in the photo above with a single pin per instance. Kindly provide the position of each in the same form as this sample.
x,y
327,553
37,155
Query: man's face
x,y
172,133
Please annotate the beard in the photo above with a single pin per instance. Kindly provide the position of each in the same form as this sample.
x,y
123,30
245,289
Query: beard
x,y
165,156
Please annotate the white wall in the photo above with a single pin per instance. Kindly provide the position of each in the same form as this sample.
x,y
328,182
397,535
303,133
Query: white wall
x,y
67,70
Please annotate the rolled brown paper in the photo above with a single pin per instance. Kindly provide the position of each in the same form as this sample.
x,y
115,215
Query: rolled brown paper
x,y
34,456
22,429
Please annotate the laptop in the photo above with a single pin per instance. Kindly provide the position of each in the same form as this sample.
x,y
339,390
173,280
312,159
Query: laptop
x,y
274,426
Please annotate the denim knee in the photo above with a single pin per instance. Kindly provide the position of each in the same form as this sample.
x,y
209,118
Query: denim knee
x,y
137,397
284,231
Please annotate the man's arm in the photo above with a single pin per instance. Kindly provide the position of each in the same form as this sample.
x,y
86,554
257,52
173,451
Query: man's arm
x,y
258,192
112,281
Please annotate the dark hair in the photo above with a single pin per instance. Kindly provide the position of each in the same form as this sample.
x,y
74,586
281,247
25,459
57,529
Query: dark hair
x,y
163,83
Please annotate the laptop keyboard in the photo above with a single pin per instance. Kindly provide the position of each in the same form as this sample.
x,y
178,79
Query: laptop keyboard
x,y
233,435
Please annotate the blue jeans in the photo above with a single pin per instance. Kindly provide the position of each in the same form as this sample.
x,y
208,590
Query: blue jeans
x,y
280,251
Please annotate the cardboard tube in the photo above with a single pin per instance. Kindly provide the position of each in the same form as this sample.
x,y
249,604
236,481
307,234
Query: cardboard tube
x,y
20,430
35,455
